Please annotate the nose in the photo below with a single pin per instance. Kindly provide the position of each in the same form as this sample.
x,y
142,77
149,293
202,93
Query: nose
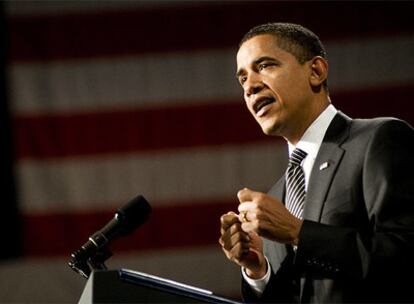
x,y
252,85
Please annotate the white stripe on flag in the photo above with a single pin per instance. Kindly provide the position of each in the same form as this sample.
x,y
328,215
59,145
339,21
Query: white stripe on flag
x,y
181,175
188,78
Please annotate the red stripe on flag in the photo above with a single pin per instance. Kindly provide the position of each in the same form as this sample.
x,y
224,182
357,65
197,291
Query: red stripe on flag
x,y
41,137
168,227
136,130
385,101
125,32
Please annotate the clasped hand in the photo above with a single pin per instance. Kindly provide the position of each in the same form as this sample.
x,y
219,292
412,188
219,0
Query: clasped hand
x,y
260,215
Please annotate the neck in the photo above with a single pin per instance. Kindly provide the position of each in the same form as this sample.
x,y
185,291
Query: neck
x,y
305,122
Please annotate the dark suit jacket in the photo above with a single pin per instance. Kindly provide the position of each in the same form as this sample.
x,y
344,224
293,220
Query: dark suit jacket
x,y
357,240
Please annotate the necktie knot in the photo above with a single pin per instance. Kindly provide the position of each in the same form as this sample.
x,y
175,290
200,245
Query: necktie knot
x,y
297,156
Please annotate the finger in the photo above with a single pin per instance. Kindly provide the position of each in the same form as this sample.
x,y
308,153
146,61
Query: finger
x,y
248,216
253,235
247,194
233,235
226,234
244,195
238,251
247,207
256,242
240,237
250,227
229,237
235,254
228,219
237,240
243,217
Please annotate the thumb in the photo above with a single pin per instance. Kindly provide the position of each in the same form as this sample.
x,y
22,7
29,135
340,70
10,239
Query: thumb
x,y
256,242
245,195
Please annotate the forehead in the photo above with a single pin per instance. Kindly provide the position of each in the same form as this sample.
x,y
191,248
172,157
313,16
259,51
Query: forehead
x,y
259,46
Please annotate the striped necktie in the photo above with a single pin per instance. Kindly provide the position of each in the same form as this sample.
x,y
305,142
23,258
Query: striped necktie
x,y
295,183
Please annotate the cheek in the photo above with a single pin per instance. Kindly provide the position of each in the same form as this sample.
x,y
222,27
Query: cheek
x,y
249,107
290,93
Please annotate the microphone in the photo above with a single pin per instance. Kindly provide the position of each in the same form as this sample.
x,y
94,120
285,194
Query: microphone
x,y
125,221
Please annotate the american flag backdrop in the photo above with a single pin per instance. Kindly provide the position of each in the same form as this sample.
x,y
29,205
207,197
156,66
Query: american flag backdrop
x,y
109,100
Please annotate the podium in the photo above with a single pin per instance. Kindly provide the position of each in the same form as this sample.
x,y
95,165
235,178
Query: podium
x,y
127,286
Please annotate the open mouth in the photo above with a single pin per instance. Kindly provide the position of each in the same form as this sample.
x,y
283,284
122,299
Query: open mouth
x,y
260,106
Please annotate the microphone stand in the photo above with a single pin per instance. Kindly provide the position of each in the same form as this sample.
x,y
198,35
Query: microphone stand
x,y
93,254
84,263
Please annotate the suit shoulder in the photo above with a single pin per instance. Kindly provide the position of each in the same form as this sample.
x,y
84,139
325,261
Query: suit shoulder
x,y
386,131
380,124
385,136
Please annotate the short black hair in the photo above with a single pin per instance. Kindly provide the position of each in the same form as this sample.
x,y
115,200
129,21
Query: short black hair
x,y
293,38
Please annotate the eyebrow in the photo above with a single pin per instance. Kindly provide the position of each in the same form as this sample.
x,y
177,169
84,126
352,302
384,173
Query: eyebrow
x,y
256,62
239,73
263,58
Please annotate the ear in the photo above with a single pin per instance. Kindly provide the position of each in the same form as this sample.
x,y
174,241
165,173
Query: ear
x,y
319,71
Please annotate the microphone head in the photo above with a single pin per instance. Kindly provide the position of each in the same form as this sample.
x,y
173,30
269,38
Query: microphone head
x,y
133,214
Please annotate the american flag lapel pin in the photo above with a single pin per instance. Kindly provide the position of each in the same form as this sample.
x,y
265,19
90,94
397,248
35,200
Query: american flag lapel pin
x,y
323,166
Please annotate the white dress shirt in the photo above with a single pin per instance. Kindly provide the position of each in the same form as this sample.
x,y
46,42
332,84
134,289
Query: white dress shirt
x,y
310,143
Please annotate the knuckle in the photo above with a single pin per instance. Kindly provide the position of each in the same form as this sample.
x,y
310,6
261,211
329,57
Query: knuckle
x,y
234,228
253,216
261,196
259,214
227,216
240,193
239,208
254,205
248,227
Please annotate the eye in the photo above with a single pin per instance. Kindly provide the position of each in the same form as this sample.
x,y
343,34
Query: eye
x,y
263,66
242,79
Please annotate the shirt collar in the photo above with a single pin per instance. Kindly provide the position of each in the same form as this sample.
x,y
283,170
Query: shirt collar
x,y
313,136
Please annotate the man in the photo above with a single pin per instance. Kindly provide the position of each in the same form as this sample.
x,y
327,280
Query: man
x,y
339,227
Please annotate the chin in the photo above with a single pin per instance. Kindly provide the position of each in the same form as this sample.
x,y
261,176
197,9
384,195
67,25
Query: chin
x,y
271,125
271,130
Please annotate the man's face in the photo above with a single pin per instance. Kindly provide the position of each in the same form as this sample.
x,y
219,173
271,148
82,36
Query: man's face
x,y
276,86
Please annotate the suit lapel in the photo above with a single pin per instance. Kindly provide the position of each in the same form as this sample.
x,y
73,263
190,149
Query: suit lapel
x,y
324,168
274,251
278,190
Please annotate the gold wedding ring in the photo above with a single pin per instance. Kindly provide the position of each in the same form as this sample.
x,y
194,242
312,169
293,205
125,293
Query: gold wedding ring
x,y
244,217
